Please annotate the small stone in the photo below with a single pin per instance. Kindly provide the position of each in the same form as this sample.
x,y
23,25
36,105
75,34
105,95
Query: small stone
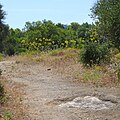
x,y
17,62
49,69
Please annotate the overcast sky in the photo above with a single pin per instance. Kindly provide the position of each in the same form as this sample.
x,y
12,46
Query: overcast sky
x,y
63,11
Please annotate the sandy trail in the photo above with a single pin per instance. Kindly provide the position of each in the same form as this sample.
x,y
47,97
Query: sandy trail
x,y
46,90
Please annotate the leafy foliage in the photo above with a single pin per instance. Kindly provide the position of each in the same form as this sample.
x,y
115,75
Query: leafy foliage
x,y
94,53
8,115
46,35
43,36
3,29
107,16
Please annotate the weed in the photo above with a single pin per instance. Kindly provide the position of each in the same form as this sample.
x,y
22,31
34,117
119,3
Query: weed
x,y
0,71
118,72
114,70
62,52
91,75
3,96
1,90
1,57
118,56
40,59
57,53
8,115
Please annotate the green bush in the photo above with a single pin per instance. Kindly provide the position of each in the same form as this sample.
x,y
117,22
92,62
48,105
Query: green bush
x,y
1,90
94,53
1,93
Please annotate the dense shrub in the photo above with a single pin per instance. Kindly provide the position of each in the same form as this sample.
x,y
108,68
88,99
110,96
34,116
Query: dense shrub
x,y
94,53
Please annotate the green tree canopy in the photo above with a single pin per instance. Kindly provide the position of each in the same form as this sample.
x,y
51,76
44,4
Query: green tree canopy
x,y
3,29
107,16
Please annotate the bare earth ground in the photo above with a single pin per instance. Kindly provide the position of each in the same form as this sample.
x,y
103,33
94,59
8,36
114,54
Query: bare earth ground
x,y
46,89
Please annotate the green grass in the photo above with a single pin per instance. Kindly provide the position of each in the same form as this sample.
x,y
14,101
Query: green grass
x,y
1,57
92,75
8,115
58,52
62,52
87,75
118,56
29,53
3,96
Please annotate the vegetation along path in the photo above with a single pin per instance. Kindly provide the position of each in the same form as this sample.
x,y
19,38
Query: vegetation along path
x,y
52,96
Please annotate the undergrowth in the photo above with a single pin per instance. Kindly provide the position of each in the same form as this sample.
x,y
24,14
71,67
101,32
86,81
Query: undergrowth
x,y
2,93
1,57
11,107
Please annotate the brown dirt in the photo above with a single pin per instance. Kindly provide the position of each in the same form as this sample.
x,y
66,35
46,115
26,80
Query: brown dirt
x,y
46,88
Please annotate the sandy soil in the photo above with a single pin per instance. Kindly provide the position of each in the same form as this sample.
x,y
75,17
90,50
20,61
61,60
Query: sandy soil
x,y
46,89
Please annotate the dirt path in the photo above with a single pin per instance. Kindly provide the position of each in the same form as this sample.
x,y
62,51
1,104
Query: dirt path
x,y
46,90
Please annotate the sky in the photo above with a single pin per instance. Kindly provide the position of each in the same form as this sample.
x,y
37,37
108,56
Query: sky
x,y
58,11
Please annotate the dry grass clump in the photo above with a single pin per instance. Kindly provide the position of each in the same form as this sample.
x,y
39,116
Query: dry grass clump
x,y
60,55
12,108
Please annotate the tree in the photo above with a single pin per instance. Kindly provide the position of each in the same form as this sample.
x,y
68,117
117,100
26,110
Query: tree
x,y
3,29
12,45
84,31
2,16
107,16
75,26
60,25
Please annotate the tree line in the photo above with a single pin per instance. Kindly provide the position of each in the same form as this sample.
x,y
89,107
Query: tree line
x,y
46,35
